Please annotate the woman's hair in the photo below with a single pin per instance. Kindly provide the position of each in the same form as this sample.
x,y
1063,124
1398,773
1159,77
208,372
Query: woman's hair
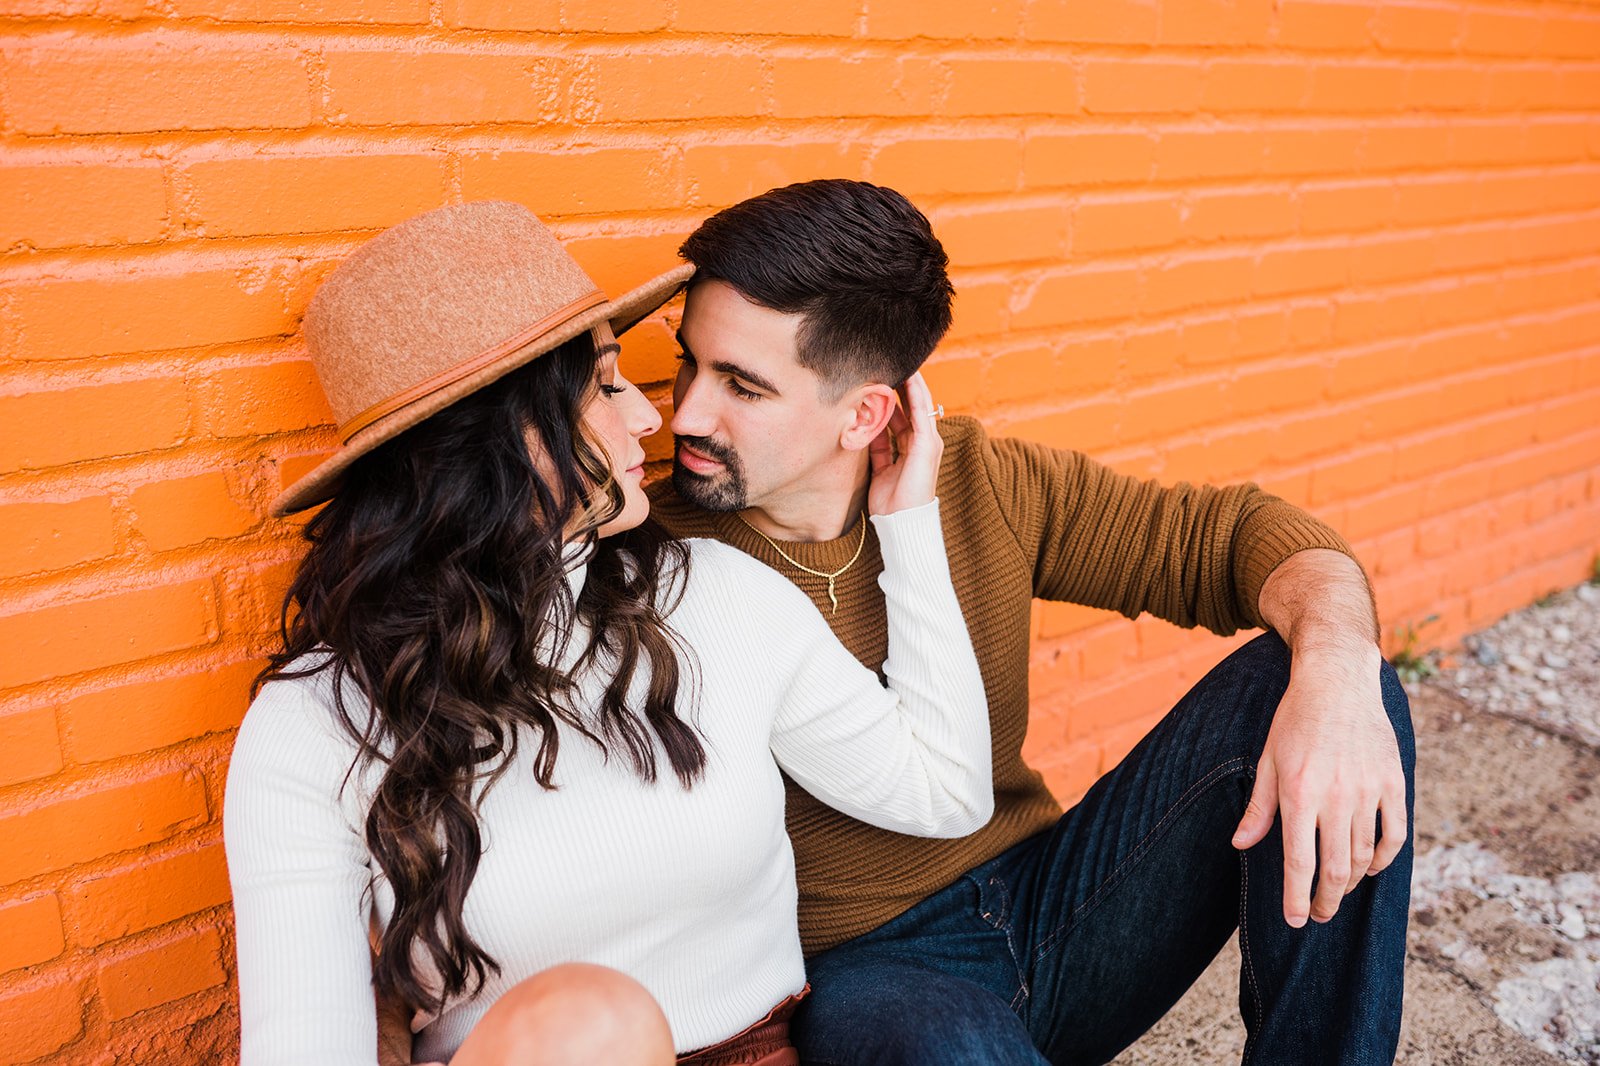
x,y
436,579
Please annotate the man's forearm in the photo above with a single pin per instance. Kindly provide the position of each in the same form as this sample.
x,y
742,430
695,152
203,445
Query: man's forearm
x,y
1319,603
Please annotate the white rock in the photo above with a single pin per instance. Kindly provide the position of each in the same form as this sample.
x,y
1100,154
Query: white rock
x,y
1548,698
1545,673
1571,925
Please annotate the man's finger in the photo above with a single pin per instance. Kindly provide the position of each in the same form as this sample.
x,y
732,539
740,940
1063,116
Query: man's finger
x,y
1258,813
1299,861
1362,845
1334,874
1392,807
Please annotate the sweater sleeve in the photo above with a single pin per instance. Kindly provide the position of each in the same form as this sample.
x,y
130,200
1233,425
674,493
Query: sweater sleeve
x,y
299,872
1194,555
912,757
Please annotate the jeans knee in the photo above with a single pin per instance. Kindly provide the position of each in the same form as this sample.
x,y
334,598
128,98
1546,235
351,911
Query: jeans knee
x,y
1398,706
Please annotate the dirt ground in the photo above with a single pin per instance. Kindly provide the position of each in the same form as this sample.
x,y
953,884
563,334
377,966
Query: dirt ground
x,y
1503,956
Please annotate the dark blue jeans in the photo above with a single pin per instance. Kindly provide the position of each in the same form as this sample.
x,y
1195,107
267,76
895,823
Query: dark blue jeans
x,y
1069,946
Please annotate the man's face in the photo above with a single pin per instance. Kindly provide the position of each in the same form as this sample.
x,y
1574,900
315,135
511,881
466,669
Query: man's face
x,y
750,422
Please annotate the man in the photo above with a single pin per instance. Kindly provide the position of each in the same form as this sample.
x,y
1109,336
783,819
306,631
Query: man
x,y
1279,788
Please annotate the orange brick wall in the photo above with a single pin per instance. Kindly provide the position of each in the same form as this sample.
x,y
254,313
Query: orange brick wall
x,y
1350,250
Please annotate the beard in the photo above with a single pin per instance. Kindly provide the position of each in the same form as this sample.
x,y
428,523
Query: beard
x,y
725,491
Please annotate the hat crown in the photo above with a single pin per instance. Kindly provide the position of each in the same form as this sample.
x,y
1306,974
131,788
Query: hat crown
x,y
433,293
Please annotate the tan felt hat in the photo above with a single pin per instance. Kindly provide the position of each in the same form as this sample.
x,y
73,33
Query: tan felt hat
x,y
437,307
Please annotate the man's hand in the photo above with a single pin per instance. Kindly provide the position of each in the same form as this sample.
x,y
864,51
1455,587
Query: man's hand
x,y
905,456
1331,764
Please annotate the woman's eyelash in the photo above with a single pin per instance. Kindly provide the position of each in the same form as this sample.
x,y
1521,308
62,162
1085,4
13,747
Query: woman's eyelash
x,y
612,390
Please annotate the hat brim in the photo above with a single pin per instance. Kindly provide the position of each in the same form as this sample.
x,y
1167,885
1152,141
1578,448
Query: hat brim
x,y
622,314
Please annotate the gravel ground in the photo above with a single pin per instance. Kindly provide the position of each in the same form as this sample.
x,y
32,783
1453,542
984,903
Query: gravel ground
x,y
1503,950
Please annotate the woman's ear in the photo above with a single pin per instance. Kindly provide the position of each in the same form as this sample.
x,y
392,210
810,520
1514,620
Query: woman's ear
x,y
870,407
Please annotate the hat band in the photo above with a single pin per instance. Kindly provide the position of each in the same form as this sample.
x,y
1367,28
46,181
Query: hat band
x,y
446,378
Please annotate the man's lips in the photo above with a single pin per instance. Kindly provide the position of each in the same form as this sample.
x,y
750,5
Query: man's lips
x,y
696,461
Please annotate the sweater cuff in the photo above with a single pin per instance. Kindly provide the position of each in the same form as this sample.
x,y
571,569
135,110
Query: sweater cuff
x,y
911,542
1269,535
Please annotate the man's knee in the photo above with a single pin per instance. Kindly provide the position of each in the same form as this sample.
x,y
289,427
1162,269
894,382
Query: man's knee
x,y
577,1013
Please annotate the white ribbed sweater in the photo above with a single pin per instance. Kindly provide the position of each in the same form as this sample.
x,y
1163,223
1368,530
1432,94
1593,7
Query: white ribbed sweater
x,y
691,892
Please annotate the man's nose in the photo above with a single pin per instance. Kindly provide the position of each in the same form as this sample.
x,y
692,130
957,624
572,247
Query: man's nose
x,y
690,409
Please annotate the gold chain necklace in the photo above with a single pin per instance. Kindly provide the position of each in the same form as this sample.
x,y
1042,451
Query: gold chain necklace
x,y
792,561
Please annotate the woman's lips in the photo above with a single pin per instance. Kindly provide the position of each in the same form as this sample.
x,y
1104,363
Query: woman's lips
x,y
696,462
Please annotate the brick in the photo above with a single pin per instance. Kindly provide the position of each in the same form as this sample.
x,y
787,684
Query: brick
x,y
1312,150
976,20
953,165
1085,426
1216,22
63,204
50,642
615,16
1407,28
75,829
306,194
843,86
1108,649
32,747
1081,295
1258,389
1344,207
1254,85
1358,473
153,892
38,537
1132,697
42,1018
535,15
1197,281
1445,86
980,310
618,263
634,88
161,973
1087,158
721,174
1353,85
141,311
1170,410
1092,21
1124,86
154,82
1570,34
1330,27
176,514
1501,33
133,719
70,425
304,11
1011,86
1184,155
825,18
1303,268
1231,214
412,88
1119,223
1003,234
576,181
249,401
30,932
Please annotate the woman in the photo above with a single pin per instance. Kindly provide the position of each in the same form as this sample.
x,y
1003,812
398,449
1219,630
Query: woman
x,y
527,736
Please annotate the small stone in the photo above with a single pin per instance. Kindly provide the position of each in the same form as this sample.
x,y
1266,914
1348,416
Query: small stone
x,y
1455,717
1561,634
1548,698
1589,593
1555,661
1520,663
1545,674
1486,654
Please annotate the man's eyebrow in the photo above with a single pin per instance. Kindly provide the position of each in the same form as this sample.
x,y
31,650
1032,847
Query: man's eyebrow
x,y
723,366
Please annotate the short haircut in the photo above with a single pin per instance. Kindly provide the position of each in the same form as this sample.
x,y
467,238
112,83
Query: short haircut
x,y
859,261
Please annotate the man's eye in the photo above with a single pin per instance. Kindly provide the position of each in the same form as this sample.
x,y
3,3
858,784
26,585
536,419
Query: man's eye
x,y
742,392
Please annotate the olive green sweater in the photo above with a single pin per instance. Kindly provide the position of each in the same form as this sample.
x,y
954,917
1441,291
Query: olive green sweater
x,y
1020,521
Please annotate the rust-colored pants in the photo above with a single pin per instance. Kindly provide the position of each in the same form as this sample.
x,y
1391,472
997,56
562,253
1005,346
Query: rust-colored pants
x,y
766,1043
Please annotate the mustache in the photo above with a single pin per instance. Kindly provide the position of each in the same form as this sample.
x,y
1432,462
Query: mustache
x,y
711,448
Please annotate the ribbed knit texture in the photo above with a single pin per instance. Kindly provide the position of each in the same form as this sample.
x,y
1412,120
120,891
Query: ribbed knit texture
x,y
1020,521
691,892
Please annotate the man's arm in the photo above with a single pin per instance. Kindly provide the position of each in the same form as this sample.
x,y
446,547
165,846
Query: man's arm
x,y
1331,764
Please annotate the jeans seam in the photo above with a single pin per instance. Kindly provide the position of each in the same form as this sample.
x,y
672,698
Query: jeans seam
x,y
1049,943
998,918
1244,948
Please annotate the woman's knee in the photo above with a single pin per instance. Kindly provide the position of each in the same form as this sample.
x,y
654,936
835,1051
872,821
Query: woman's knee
x,y
575,1014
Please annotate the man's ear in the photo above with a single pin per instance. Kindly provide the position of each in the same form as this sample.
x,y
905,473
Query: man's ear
x,y
870,407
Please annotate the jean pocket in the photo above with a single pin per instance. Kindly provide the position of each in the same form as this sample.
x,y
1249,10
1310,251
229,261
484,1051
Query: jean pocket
x,y
994,899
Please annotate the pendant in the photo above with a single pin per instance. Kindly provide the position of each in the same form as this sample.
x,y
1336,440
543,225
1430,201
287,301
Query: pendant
x,y
832,598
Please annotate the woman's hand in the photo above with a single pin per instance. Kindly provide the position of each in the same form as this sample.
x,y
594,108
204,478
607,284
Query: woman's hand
x,y
913,435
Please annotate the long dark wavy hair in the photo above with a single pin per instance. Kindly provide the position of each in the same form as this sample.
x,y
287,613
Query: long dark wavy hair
x,y
435,581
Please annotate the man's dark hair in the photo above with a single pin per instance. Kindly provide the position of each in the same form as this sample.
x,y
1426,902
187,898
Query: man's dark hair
x,y
859,261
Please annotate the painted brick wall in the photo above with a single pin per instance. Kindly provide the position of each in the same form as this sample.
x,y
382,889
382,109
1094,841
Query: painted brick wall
x,y
1350,250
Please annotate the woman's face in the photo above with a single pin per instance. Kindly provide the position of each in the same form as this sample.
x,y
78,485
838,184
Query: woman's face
x,y
618,418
